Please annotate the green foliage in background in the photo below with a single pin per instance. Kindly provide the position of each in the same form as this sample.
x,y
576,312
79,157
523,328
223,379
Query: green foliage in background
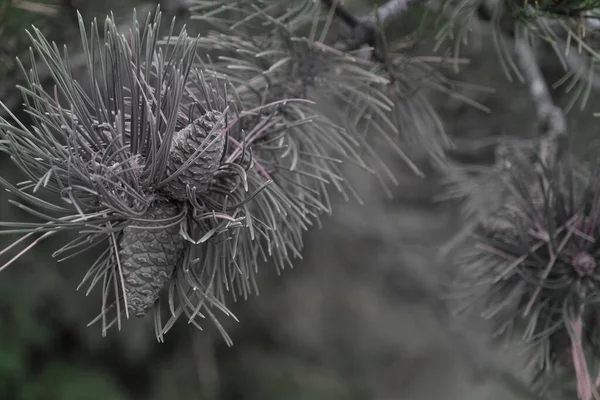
x,y
30,329
15,17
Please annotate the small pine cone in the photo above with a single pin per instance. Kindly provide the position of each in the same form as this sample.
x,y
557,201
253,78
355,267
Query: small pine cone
x,y
148,258
187,141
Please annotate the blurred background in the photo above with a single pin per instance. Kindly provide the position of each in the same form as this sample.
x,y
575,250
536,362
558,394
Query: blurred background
x,y
360,317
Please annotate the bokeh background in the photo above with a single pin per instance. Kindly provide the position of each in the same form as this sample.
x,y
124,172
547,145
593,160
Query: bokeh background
x,y
360,317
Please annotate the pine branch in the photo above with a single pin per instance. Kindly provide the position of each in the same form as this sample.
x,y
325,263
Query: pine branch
x,y
364,30
391,10
342,13
551,118
552,121
175,6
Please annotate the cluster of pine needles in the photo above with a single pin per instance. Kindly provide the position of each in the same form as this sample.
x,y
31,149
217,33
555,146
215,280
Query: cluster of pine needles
x,y
188,162
529,264
569,28
531,268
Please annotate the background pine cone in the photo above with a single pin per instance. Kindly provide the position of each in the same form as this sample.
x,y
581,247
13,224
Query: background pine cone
x,y
148,257
199,135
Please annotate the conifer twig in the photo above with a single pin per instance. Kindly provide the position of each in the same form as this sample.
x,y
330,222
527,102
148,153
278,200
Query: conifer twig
x,y
391,10
364,29
342,13
551,118
175,6
552,121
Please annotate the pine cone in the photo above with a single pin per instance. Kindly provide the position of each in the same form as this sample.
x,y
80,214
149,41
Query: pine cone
x,y
187,141
148,258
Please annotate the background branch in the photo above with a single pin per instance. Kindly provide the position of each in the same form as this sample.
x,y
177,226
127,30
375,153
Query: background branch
x,y
551,119
364,30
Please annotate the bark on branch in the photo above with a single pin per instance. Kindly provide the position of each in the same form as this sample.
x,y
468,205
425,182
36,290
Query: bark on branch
x,y
365,30
551,119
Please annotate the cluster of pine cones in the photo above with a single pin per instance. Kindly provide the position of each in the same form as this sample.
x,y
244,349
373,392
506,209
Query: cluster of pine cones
x,y
149,252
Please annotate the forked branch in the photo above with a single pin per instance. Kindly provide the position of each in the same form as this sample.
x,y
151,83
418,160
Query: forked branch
x,y
365,30
551,119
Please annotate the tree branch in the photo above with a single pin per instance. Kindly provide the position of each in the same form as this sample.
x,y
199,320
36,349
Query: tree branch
x,y
177,7
364,30
342,13
388,12
551,119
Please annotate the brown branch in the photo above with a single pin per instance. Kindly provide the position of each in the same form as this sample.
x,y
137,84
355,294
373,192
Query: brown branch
x,y
342,13
365,30
388,12
177,7
551,119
